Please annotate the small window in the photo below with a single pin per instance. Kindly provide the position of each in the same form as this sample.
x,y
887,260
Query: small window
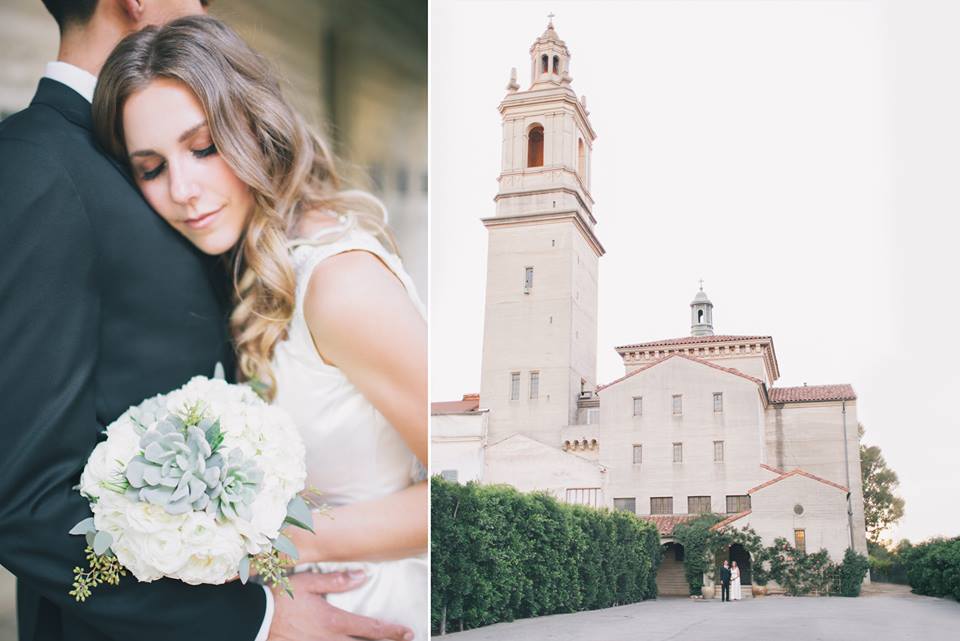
x,y
678,452
677,404
698,505
535,147
545,63
527,279
450,475
637,405
593,415
718,401
514,386
556,64
534,385
699,315
625,505
583,496
661,505
718,451
637,454
800,540
738,503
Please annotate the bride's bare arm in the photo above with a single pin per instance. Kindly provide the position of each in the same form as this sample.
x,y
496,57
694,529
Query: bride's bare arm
x,y
363,322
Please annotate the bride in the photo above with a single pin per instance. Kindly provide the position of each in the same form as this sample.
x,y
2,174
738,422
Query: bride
x,y
735,593
325,321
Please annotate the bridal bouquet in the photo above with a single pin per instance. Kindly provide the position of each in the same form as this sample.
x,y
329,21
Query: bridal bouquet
x,y
194,485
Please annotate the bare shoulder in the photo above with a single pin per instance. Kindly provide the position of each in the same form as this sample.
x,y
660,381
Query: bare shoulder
x,y
348,287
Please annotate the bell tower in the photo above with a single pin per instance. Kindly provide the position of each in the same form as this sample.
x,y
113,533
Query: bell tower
x,y
701,314
540,324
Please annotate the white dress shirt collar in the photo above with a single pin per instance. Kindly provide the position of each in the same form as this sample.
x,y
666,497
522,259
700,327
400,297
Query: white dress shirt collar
x,y
81,81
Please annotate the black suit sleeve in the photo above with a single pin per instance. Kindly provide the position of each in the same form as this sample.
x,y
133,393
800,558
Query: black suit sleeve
x,y
49,339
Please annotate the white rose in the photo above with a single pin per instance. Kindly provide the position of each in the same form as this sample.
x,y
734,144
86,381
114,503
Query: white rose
x,y
215,562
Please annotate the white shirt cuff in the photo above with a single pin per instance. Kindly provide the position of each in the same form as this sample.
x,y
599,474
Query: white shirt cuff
x,y
267,617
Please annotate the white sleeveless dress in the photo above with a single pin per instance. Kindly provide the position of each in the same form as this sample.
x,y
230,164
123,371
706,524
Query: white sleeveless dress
x,y
353,453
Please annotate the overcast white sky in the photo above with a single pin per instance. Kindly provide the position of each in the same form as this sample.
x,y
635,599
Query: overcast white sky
x,y
803,158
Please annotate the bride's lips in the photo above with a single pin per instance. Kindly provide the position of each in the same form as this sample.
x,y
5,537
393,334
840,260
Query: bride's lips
x,y
203,220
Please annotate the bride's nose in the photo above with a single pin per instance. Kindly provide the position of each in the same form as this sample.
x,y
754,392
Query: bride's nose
x,y
183,186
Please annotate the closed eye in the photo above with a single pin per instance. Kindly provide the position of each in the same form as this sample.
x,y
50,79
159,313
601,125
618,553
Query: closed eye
x,y
206,151
197,153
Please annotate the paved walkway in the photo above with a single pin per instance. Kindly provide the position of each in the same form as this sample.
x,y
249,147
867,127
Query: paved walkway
x,y
885,612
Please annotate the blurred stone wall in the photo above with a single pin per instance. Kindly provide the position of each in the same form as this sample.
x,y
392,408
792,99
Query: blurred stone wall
x,y
356,69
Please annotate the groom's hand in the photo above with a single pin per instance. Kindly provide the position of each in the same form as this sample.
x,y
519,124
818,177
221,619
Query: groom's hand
x,y
308,616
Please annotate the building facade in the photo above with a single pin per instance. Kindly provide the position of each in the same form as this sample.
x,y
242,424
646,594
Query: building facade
x,y
695,425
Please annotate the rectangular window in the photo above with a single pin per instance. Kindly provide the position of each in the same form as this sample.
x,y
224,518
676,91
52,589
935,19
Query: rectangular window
x,y
450,475
738,503
677,404
637,405
800,540
637,454
625,505
678,452
584,496
698,505
593,415
514,386
528,279
718,451
534,384
661,505
718,401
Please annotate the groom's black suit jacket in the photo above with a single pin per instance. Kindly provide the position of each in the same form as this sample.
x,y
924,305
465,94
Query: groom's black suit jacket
x,y
103,305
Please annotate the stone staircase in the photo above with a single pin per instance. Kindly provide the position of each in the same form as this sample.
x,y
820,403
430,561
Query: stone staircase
x,y
671,580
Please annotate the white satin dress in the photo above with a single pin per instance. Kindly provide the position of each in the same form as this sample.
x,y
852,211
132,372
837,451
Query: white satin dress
x,y
353,453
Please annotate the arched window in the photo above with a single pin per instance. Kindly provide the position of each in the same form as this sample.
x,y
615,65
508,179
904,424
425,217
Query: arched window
x,y
699,315
556,64
581,159
545,63
535,147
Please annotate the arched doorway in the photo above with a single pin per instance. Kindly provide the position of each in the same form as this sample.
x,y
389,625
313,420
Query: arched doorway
x,y
739,554
671,578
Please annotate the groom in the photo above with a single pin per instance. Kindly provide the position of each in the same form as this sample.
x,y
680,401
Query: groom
x,y
105,305
725,582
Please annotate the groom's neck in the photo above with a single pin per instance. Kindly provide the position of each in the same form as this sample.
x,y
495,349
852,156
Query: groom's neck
x,y
89,45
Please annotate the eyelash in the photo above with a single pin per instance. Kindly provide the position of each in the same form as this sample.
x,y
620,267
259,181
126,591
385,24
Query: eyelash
x,y
198,153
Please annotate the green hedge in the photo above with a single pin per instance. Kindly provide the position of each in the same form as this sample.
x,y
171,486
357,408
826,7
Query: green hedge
x,y
933,567
498,554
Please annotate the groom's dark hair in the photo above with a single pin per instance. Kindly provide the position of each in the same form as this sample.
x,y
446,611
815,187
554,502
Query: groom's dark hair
x,y
70,12
77,12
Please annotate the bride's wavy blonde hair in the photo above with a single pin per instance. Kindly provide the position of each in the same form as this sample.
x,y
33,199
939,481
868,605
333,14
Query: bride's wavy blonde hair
x,y
287,166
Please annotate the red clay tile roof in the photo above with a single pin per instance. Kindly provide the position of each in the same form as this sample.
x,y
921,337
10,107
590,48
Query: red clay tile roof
x,y
807,393
797,472
728,370
687,340
730,519
470,403
770,468
666,522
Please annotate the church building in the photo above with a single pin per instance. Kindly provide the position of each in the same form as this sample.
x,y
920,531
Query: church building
x,y
695,425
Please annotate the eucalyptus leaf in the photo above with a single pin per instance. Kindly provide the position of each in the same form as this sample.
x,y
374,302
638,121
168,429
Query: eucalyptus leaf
x,y
285,545
102,542
84,526
244,570
298,514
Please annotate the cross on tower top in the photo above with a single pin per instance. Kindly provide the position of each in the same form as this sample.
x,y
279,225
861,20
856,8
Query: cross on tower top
x,y
701,284
550,17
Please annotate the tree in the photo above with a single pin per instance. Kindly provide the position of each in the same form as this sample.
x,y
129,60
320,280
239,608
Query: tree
x,y
881,507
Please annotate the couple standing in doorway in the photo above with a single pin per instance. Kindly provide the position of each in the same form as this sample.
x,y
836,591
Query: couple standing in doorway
x,y
730,582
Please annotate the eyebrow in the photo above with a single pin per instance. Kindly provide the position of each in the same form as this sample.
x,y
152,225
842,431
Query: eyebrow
x,y
186,134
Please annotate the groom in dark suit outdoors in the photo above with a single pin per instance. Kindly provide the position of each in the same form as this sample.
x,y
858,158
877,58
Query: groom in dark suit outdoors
x,y
725,582
104,305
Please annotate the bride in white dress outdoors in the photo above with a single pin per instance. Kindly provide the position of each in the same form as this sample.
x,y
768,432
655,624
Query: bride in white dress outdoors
x,y
735,592
325,322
